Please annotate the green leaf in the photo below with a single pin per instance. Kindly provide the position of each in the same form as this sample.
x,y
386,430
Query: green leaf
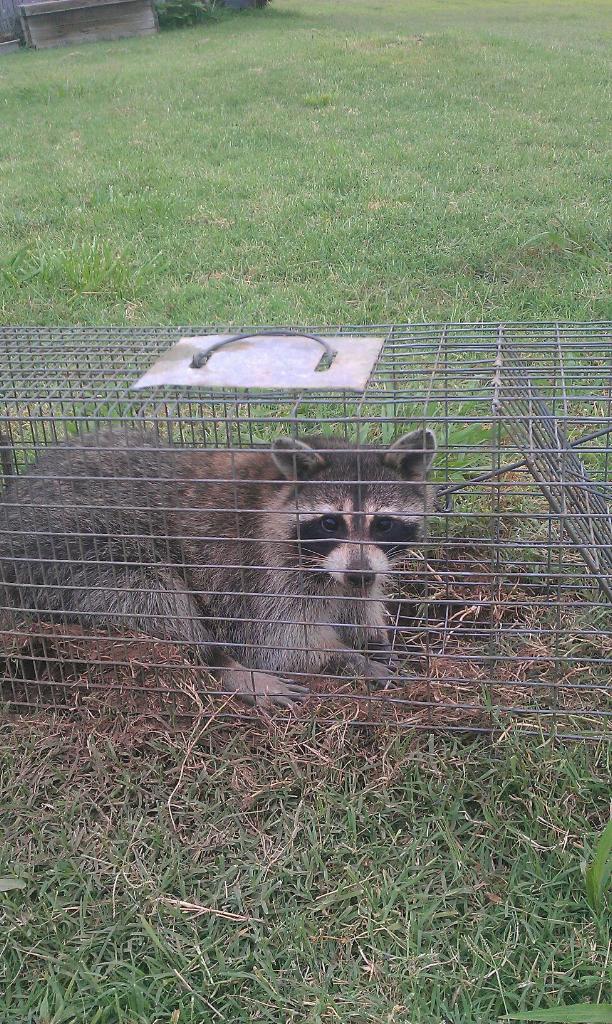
x,y
581,1013
598,873
7,884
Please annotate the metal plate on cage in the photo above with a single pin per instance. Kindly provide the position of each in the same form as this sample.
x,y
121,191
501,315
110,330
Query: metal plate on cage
x,y
269,360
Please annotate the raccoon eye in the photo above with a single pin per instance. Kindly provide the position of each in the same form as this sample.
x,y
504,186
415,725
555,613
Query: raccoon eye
x,y
384,524
331,524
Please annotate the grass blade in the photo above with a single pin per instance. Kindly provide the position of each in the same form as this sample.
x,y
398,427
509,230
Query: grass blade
x,y
581,1013
598,873
9,883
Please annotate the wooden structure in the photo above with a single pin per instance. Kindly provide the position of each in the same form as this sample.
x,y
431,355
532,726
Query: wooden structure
x,y
10,28
66,22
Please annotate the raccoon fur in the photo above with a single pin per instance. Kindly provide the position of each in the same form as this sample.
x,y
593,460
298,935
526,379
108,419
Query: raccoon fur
x,y
264,563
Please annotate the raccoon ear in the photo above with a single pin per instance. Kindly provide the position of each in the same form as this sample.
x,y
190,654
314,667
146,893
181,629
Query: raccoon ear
x,y
412,455
295,459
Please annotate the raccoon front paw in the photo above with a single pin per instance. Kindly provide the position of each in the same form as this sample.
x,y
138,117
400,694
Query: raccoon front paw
x,y
377,672
384,654
274,690
262,689
367,669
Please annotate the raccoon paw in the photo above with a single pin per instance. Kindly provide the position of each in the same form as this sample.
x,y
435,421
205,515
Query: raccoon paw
x,y
261,689
376,672
384,654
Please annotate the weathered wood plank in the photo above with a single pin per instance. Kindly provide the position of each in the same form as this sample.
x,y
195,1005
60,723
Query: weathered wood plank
x,y
34,10
62,25
9,19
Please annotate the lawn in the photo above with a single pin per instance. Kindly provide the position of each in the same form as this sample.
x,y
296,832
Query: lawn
x,y
317,162
295,877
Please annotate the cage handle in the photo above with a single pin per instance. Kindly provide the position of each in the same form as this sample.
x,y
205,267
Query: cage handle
x,y
201,358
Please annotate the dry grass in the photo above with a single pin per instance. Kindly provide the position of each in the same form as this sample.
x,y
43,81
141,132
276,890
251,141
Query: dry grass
x,y
474,654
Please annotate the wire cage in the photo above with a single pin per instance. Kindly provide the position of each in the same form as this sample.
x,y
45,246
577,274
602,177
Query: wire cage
x,y
350,575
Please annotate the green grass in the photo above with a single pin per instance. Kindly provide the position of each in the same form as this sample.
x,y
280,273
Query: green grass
x,y
364,879
315,162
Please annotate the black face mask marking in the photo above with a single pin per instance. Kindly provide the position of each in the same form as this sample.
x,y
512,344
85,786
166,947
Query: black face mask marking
x,y
320,536
393,535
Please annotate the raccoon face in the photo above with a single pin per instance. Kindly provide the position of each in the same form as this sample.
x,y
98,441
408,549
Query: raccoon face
x,y
351,514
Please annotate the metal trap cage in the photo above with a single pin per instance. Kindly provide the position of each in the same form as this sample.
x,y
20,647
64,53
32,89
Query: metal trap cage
x,y
158,555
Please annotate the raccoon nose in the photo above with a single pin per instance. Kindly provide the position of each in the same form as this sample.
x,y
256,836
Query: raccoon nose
x,y
360,578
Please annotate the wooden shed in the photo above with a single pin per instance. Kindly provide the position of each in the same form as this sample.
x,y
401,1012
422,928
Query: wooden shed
x,y
65,22
10,28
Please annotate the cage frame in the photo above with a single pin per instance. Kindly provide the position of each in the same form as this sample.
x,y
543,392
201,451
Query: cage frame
x,y
568,398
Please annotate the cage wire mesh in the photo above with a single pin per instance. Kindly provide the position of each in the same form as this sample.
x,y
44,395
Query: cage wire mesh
x,y
497,611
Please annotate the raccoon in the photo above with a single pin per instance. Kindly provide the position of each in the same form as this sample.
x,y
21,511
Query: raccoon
x,y
266,564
